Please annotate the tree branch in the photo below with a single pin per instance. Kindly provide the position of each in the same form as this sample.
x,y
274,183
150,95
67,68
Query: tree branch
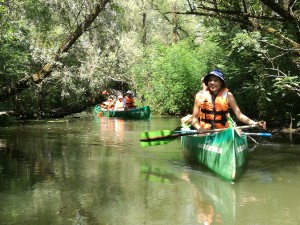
x,y
229,14
277,33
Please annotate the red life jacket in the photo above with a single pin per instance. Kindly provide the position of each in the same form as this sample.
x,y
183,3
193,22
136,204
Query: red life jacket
x,y
129,102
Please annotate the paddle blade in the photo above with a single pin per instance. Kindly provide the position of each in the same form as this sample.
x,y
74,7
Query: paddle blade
x,y
154,138
156,142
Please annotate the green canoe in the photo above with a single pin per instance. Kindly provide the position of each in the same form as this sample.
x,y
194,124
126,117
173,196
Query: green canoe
x,y
225,153
138,113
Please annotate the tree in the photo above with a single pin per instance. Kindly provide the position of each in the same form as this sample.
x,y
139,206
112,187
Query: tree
x,y
277,20
170,76
46,70
262,40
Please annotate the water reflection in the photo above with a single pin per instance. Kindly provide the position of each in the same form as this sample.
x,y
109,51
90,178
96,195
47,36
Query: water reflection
x,y
218,202
13,171
93,171
150,173
267,190
20,171
112,131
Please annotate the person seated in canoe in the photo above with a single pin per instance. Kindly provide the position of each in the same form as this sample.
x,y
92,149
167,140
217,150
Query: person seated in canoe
x,y
107,104
211,105
103,105
111,103
129,100
119,106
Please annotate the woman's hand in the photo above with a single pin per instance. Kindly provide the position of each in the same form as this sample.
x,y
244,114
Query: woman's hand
x,y
200,130
262,124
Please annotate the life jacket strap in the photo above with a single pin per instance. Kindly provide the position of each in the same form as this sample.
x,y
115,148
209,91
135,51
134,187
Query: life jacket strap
x,y
205,111
222,121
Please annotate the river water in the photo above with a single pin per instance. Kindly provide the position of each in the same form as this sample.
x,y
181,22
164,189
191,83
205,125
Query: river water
x,y
91,170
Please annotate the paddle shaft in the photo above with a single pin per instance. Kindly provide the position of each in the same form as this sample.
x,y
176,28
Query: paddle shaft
x,y
259,134
185,133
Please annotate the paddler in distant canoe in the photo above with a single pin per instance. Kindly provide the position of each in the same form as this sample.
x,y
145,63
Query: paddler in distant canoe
x,y
129,100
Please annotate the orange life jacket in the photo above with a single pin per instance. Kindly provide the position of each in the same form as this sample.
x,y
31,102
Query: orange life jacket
x,y
213,113
129,102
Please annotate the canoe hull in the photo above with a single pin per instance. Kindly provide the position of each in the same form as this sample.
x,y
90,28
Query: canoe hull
x,y
138,113
225,153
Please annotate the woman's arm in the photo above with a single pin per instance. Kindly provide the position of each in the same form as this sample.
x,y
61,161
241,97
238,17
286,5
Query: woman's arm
x,y
239,115
195,118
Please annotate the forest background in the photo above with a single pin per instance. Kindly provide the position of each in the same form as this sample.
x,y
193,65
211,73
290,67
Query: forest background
x,y
57,56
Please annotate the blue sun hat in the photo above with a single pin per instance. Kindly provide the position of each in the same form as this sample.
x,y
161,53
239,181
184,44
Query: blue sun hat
x,y
217,73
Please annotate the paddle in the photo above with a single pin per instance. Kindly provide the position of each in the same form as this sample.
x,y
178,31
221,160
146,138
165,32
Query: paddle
x,y
259,134
161,137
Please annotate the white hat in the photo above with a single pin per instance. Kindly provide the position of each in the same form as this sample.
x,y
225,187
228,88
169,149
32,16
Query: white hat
x,y
120,96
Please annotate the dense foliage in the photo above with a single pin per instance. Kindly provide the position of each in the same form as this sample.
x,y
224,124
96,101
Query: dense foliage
x,y
170,76
261,39
160,49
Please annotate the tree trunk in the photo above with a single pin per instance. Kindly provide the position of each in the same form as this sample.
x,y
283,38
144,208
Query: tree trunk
x,y
175,24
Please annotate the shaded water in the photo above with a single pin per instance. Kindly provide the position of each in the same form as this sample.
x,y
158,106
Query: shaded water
x,y
93,171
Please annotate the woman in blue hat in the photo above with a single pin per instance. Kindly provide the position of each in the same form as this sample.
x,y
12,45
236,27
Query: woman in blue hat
x,y
212,103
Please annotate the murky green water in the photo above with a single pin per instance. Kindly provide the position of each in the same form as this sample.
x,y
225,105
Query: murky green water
x,y
93,171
